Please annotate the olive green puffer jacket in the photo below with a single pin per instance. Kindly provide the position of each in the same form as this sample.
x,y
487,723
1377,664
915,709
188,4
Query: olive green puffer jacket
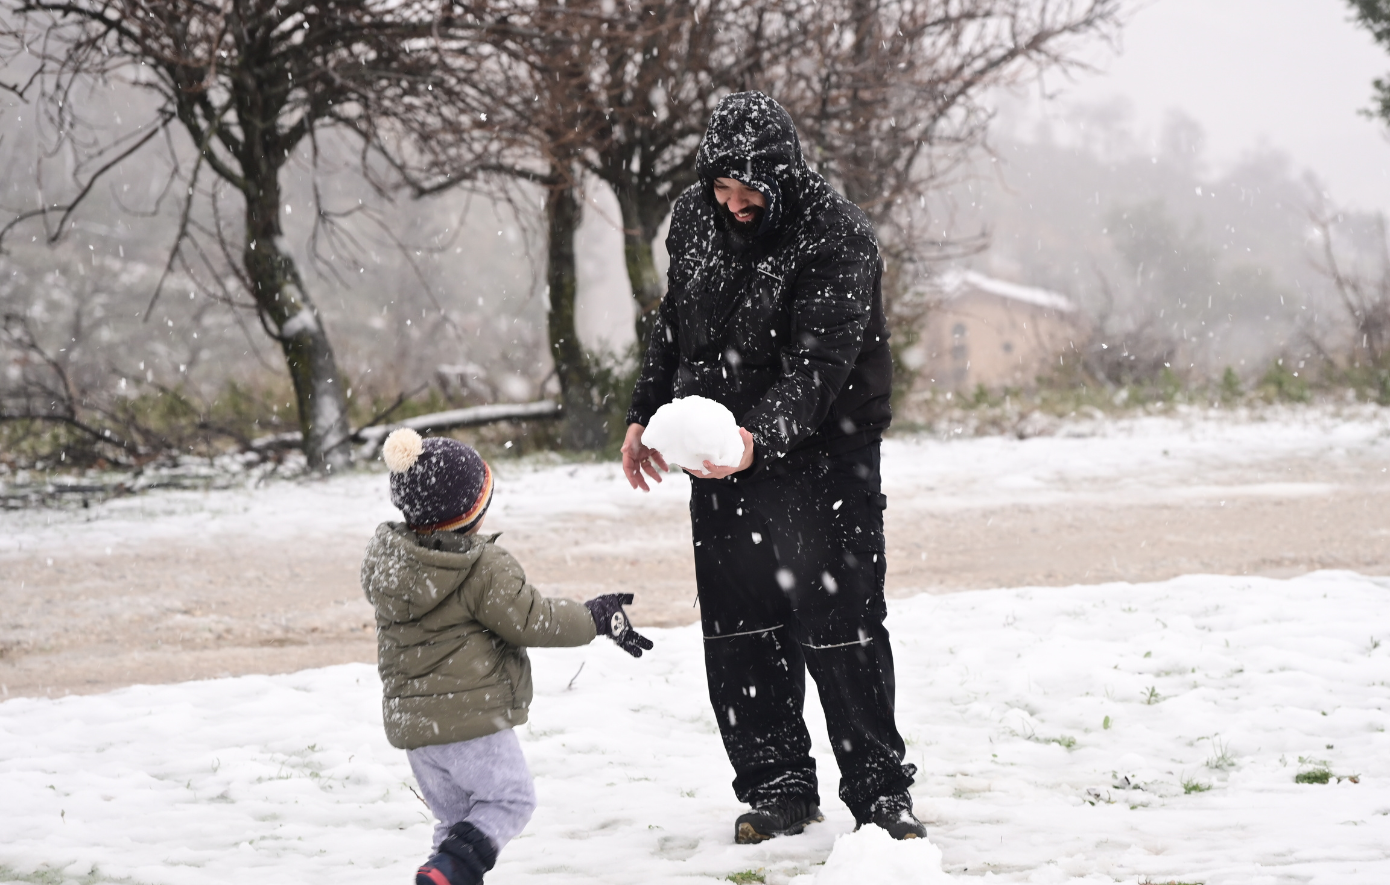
x,y
453,616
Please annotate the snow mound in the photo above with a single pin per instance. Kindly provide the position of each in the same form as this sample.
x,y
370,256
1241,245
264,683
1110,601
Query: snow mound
x,y
692,430
871,855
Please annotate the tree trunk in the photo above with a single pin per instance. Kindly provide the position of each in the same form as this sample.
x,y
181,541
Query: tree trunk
x,y
642,214
862,174
284,303
586,419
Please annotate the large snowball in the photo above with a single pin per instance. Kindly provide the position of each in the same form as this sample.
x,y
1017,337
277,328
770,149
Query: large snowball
x,y
871,855
693,430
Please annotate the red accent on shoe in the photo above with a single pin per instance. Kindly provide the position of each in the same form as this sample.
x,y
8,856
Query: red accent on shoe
x,y
433,874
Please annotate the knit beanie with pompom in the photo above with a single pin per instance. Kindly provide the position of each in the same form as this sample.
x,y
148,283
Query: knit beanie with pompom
x,y
440,484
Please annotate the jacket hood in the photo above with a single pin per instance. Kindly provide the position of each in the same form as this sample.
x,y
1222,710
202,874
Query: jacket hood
x,y
424,572
752,139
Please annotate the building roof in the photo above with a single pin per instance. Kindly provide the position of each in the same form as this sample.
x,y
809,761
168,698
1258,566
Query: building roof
x,y
956,283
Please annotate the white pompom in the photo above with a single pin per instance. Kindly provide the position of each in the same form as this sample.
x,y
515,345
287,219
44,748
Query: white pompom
x,y
401,449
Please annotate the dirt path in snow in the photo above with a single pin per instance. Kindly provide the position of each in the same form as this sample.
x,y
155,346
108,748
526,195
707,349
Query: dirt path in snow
x,y
167,612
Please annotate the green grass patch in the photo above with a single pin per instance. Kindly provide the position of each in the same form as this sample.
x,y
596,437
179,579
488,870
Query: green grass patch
x,y
1229,389
1319,771
747,876
49,876
1221,758
1284,384
1192,785
1065,741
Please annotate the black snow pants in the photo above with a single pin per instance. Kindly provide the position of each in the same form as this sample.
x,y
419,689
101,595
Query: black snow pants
x,y
790,570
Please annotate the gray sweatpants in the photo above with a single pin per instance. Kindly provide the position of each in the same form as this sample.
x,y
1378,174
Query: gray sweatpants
x,y
484,781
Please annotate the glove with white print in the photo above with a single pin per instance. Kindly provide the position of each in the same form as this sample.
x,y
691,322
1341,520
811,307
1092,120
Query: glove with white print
x,y
610,620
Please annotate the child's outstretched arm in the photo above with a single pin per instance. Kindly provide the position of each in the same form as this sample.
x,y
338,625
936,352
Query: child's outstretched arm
x,y
610,620
504,602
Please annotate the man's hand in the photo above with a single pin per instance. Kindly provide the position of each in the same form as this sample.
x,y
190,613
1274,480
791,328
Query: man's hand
x,y
638,458
714,471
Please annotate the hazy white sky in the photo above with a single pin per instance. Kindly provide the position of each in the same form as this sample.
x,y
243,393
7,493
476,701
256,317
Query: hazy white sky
x,y
1290,73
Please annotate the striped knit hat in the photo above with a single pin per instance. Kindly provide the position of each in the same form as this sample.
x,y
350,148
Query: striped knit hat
x,y
440,484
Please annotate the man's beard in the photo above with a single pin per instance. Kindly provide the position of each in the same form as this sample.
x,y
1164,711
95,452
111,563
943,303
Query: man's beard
x,y
743,228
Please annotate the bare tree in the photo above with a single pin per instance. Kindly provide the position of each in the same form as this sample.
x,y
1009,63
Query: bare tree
x,y
621,92
1364,296
42,388
248,83
657,80
66,394
888,93
1125,349
891,97
625,91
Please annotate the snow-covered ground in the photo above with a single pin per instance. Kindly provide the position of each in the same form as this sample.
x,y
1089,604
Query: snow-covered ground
x,y
1063,734
1099,734
1142,459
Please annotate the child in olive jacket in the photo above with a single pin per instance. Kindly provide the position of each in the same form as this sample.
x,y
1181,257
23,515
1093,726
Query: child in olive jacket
x,y
454,615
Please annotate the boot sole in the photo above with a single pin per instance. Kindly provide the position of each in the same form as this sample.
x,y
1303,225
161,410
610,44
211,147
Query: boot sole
x,y
430,876
747,834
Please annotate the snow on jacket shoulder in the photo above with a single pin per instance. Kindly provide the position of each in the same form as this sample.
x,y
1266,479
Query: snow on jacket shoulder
x,y
454,614
785,328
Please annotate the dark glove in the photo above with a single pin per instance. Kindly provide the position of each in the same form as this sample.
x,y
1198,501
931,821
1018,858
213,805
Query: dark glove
x,y
610,620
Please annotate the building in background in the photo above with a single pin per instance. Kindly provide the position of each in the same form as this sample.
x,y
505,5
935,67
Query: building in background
x,y
991,332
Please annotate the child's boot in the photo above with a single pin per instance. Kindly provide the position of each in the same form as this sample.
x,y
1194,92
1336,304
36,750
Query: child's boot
x,y
462,859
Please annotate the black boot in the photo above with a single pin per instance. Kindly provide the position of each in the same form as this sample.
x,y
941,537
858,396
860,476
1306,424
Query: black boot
x,y
463,857
894,814
780,817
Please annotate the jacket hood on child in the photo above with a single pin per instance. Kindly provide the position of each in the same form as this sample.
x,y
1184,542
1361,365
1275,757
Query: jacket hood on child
x,y
453,616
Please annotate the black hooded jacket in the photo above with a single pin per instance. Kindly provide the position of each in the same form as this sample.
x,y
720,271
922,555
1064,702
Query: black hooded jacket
x,y
784,327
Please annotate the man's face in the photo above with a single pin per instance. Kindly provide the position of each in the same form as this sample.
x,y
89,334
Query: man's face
x,y
743,204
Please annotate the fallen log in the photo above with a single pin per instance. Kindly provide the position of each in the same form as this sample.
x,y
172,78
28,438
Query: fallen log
x,y
291,439
474,416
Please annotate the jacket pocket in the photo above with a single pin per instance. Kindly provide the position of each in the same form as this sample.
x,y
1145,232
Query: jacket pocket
x,y
857,517
513,674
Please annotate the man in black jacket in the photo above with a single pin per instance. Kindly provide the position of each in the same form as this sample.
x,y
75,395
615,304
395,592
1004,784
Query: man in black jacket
x,y
774,309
